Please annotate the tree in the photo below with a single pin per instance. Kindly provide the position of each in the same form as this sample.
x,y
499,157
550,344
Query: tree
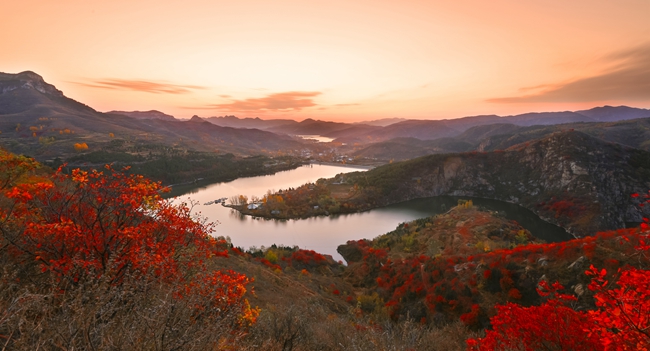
x,y
551,326
80,146
621,320
115,230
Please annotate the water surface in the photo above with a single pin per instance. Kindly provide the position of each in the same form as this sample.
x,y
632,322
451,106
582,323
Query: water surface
x,y
324,234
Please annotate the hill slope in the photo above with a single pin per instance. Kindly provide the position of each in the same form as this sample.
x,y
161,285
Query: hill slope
x,y
568,178
38,120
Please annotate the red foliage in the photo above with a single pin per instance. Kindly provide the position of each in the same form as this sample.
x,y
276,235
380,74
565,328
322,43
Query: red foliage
x,y
301,259
514,294
621,320
551,326
471,319
91,224
623,313
268,263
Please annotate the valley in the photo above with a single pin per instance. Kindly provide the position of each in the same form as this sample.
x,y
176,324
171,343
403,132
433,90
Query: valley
x,y
396,232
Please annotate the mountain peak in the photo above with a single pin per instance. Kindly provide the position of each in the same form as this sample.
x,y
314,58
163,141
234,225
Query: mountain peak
x,y
26,80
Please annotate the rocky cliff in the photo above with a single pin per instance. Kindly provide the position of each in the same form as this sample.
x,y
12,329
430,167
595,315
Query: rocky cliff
x,y
569,178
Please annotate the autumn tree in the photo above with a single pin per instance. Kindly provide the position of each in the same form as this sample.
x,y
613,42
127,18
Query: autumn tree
x,y
80,146
111,231
620,320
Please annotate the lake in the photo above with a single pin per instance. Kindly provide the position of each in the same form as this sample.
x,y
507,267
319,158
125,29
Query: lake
x,y
318,138
324,234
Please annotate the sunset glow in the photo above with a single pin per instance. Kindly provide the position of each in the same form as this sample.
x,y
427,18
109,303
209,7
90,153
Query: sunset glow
x,y
335,60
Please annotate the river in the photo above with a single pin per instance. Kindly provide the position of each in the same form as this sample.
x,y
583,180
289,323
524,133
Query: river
x,y
324,234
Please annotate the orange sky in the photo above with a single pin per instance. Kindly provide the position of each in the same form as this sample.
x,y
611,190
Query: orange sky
x,y
345,60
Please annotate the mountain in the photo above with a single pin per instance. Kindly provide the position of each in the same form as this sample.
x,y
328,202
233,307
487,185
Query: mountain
x,y
453,128
490,137
382,122
592,178
391,128
39,120
634,133
546,118
311,127
449,128
617,113
251,123
153,114
407,148
568,178
27,91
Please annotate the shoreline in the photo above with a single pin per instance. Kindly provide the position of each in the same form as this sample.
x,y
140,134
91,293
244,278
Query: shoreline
x,y
348,165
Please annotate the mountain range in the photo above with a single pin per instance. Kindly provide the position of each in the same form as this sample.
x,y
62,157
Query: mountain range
x,y
382,130
39,120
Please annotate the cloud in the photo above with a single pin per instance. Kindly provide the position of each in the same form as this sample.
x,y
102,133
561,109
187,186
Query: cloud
x,y
142,86
293,100
628,78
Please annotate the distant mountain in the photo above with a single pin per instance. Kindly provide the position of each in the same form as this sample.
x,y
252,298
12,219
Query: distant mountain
x,y
312,127
546,118
391,128
634,133
399,149
450,128
382,122
38,120
196,119
251,123
490,137
153,114
613,114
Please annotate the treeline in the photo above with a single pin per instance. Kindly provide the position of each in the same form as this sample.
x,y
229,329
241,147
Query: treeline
x,y
176,165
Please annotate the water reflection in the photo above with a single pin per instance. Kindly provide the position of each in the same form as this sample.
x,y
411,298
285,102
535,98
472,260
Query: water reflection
x,y
324,234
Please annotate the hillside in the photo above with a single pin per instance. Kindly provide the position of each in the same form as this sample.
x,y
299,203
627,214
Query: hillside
x,y
453,128
431,283
399,149
500,136
460,264
634,133
153,114
38,120
169,278
250,123
568,178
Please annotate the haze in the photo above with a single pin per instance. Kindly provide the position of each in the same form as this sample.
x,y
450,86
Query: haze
x,y
334,60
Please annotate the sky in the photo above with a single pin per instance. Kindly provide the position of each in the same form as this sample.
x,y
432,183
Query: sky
x,y
337,60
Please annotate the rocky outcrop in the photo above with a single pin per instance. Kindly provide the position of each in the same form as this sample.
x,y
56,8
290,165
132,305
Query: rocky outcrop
x,y
569,178
26,80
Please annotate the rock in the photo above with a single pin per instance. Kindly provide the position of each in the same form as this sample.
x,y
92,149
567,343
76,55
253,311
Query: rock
x,y
350,252
578,264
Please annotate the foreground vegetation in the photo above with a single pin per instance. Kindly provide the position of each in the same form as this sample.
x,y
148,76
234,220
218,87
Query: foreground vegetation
x,y
98,260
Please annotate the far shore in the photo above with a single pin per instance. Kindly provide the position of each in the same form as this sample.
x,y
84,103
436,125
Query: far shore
x,y
349,165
